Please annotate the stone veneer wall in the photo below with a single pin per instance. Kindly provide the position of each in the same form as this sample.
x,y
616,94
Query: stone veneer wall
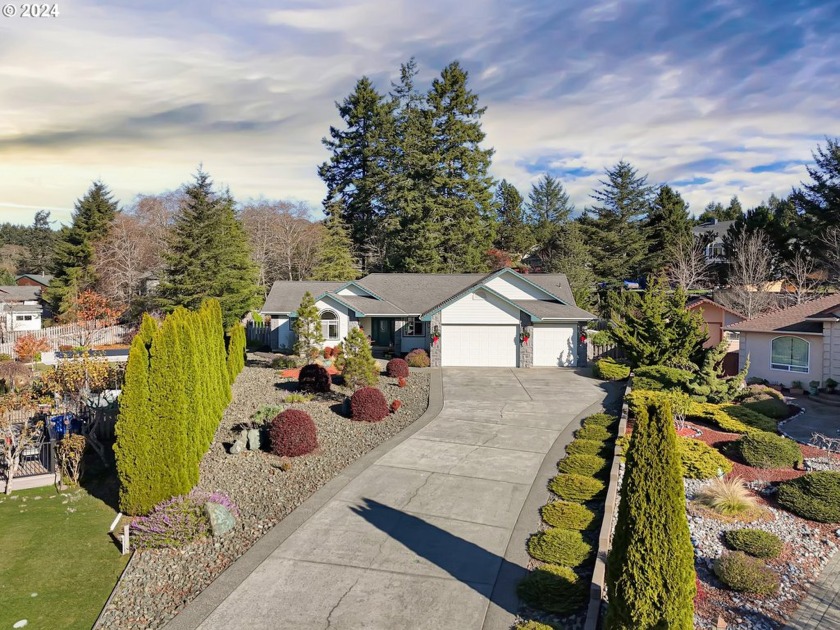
x,y
434,348
526,350
582,350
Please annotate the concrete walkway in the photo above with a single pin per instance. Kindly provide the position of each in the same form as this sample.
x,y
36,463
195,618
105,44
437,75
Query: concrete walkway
x,y
419,536
818,418
821,609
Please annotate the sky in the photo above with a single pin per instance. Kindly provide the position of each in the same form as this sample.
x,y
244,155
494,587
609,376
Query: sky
x,y
717,98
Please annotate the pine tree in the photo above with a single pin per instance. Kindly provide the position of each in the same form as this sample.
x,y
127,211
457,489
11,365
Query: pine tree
x,y
572,259
360,368
72,261
650,569
335,258
461,196
668,225
512,234
40,244
208,255
614,229
549,209
818,201
307,326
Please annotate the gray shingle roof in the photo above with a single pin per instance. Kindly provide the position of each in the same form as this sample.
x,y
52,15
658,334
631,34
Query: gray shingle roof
x,y
416,293
555,283
285,295
14,293
553,310
37,277
370,305
791,319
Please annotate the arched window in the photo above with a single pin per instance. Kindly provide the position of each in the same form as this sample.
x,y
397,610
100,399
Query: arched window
x,y
789,353
329,325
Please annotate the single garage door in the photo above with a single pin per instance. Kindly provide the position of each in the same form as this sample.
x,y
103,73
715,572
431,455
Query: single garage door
x,y
479,346
554,346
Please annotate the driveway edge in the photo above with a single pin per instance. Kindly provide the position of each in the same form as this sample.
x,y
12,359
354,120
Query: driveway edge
x,y
196,611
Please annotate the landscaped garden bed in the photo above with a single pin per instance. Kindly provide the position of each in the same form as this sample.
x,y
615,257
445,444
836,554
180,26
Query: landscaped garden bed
x,y
159,582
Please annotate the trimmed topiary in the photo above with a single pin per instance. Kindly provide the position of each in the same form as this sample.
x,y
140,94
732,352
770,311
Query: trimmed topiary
x,y
577,488
593,432
554,589
588,465
397,368
368,404
314,378
568,515
293,433
768,450
755,542
586,447
610,370
535,625
751,418
813,496
742,573
600,419
701,461
418,358
560,546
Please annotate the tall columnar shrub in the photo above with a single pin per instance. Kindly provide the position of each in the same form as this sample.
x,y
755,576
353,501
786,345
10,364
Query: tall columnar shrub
x,y
360,368
236,351
307,326
650,569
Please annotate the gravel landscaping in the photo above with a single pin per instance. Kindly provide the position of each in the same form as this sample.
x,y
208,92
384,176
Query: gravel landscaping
x,y
158,583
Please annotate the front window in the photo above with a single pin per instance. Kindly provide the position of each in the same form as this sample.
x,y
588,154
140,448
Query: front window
x,y
329,325
23,318
414,328
790,354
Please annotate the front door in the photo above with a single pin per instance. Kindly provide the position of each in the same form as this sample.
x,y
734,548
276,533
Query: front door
x,y
383,331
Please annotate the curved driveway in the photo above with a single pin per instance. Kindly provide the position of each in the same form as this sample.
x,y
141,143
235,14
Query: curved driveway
x,y
417,539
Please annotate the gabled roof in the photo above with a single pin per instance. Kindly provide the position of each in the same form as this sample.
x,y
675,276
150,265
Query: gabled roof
x,y
285,295
719,228
370,305
545,311
43,279
804,318
699,301
416,292
15,293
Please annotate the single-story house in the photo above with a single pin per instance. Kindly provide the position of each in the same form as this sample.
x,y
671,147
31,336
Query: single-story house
x,y
713,233
504,318
33,280
798,343
20,307
717,317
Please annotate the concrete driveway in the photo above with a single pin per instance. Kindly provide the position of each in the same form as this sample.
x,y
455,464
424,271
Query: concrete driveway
x,y
418,538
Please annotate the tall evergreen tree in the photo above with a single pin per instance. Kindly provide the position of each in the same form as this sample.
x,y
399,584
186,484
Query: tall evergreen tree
x,y
572,258
40,243
512,234
208,254
335,258
461,186
668,225
307,326
715,211
549,210
819,200
614,227
72,261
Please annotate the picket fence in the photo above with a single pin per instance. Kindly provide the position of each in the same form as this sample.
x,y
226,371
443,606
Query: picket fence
x,y
66,335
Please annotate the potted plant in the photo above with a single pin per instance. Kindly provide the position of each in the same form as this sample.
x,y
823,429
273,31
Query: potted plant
x,y
796,388
814,388
830,385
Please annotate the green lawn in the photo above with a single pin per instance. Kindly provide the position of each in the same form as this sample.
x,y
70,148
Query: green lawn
x,y
58,563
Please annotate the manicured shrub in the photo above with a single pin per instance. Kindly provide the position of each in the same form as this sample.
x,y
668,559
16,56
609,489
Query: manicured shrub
x,y
662,378
554,589
418,358
535,625
815,496
600,419
236,351
401,382
568,515
610,370
755,542
565,547
751,418
360,368
773,408
701,461
284,363
395,406
588,465
314,378
768,450
650,569
368,404
729,497
586,447
293,433
397,368
593,432
716,415
297,397
742,573
577,488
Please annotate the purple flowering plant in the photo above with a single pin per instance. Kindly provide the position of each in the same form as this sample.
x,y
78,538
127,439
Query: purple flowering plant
x,y
178,521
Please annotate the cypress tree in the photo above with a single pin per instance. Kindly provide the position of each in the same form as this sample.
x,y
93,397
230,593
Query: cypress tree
x,y
235,351
219,355
650,569
335,257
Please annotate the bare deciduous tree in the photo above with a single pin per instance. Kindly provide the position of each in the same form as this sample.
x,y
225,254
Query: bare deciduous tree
x,y
688,265
750,269
799,272
124,258
831,252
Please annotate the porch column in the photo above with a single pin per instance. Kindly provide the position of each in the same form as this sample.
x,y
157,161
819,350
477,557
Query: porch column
x,y
582,350
526,350
434,349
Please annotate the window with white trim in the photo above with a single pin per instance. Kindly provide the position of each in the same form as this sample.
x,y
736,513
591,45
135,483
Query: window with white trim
x,y
414,327
329,325
790,354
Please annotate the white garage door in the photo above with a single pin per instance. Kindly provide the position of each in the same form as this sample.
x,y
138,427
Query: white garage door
x,y
554,346
479,346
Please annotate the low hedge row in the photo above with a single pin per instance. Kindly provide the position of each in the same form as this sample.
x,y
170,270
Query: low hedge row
x,y
586,447
587,465
568,515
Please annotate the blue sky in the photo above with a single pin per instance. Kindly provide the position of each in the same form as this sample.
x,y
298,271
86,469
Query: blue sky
x,y
718,97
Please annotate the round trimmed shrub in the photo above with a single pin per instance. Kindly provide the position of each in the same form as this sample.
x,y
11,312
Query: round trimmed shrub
x,y
568,515
813,496
701,461
292,433
534,625
609,370
560,546
553,588
314,378
742,573
755,542
577,488
397,368
418,358
586,447
600,419
768,450
588,465
368,404
592,432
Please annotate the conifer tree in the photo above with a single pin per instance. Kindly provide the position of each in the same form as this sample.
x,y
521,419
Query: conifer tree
x,y
40,244
216,339
307,326
650,569
818,201
360,368
548,211
72,261
512,234
668,226
335,257
572,258
236,351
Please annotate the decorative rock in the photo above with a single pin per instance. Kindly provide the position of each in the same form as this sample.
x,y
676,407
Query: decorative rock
x,y
253,439
221,520
236,448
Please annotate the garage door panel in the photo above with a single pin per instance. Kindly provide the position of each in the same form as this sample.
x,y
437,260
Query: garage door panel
x,y
554,346
479,346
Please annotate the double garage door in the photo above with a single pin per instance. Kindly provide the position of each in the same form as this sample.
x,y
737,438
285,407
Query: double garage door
x,y
498,345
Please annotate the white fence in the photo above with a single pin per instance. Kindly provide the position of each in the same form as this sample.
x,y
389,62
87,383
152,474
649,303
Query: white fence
x,y
67,335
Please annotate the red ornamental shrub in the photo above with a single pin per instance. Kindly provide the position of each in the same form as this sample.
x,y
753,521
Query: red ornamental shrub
x,y
397,368
401,382
314,378
28,347
395,406
368,404
292,433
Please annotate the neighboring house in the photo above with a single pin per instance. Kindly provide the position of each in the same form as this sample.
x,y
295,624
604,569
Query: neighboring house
x,y
712,234
717,317
477,318
33,280
20,308
798,343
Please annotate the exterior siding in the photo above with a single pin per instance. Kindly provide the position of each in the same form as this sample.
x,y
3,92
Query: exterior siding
x,y
831,350
476,308
407,344
353,290
757,347
343,319
514,288
281,332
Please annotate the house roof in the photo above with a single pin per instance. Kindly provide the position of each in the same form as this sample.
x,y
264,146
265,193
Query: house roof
x,y
719,229
699,301
546,311
285,295
414,293
24,308
804,318
43,279
15,293
370,305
